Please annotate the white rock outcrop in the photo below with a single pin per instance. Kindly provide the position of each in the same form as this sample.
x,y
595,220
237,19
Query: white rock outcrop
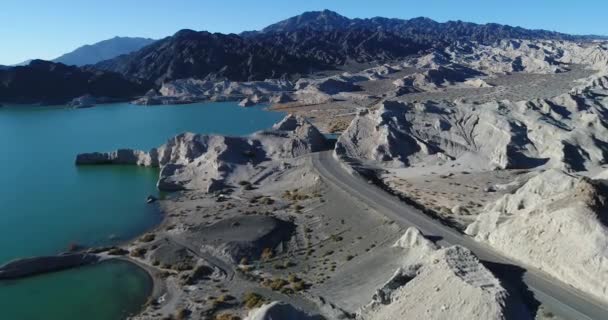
x,y
569,132
278,311
507,56
209,162
555,222
449,283
85,101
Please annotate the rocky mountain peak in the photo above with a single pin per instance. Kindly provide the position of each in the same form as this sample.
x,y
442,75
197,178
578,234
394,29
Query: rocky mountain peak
x,y
325,20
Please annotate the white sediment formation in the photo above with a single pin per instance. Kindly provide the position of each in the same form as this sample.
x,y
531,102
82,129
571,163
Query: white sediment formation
x,y
528,56
449,283
278,311
555,222
191,90
459,64
209,162
566,132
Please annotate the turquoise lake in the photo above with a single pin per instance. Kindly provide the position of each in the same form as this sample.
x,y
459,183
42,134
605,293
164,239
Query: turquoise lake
x,y
109,290
48,204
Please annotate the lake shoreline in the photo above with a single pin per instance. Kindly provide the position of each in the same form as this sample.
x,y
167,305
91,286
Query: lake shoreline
x,y
95,220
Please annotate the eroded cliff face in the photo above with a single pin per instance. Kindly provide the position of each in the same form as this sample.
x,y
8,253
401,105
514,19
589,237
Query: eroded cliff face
x,y
434,283
556,222
209,162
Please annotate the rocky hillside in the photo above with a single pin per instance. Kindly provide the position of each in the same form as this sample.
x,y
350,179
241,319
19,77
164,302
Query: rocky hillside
x,y
299,45
48,83
194,54
210,162
103,50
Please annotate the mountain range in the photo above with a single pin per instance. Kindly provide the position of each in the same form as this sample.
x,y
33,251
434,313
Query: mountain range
x,y
310,42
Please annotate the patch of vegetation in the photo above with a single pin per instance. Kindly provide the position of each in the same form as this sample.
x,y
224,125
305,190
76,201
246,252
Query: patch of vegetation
x,y
295,195
200,272
252,300
182,314
117,251
298,285
179,266
139,252
275,284
225,298
148,237
336,238
267,201
227,316
267,254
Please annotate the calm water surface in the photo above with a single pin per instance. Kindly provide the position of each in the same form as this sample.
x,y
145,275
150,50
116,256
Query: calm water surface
x,y
110,290
47,203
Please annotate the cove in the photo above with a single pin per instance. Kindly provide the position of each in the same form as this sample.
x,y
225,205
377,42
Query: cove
x,y
110,290
48,204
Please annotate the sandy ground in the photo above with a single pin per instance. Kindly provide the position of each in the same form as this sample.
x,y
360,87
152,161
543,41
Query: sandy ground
x,y
332,232
458,196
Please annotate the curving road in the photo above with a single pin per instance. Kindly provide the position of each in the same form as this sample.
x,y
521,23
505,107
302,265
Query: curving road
x,y
562,299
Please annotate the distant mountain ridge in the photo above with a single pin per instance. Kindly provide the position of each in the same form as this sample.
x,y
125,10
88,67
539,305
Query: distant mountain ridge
x,y
48,83
292,48
311,41
103,50
417,27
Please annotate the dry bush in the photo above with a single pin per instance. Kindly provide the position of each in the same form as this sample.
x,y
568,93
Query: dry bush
x,y
267,254
148,237
253,300
227,316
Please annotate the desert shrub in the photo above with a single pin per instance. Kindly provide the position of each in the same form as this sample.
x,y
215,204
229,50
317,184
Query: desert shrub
x,y
139,252
267,201
278,284
298,285
182,314
117,251
336,238
182,266
292,278
253,300
227,316
148,237
267,253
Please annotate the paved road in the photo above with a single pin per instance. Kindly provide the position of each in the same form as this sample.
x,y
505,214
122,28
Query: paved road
x,y
562,299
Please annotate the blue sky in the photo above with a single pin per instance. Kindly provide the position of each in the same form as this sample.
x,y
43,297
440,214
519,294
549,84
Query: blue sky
x,y
48,28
